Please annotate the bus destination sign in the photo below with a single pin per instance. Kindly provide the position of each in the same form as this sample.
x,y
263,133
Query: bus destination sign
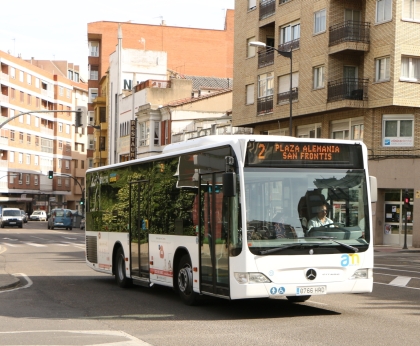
x,y
301,154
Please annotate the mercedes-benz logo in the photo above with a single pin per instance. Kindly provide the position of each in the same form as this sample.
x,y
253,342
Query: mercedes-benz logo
x,y
311,274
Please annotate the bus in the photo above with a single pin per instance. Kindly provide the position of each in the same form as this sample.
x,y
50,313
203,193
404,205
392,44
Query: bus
x,y
236,217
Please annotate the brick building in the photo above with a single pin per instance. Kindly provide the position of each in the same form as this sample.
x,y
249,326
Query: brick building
x,y
355,75
35,143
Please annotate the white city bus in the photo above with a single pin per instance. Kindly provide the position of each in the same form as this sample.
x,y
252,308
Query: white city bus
x,y
236,217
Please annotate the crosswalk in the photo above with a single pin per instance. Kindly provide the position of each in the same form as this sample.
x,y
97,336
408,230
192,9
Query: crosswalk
x,y
19,244
397,277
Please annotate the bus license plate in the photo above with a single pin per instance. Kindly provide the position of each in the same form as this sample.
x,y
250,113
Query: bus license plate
x,y
311,290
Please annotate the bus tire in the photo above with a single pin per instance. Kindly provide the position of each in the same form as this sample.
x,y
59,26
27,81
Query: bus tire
x,y
184,281
70,228
297,299
120,274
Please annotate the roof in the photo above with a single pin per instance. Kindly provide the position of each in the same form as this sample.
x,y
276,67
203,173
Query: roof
x,y
198,98
209,82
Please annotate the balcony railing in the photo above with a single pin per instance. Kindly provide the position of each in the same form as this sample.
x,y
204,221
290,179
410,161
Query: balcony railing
x,y
349,31
265,57
267,8
348,89
288,46
265,105
284,97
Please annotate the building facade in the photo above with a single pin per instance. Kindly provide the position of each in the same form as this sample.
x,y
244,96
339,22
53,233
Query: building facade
x,y
351,70
35,143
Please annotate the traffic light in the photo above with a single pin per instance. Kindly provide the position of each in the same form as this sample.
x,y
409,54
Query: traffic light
x,y
50,174
406,200
82,201
80,115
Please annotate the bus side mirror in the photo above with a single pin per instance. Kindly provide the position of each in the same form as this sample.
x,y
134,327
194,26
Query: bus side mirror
x,y
373,189
229,184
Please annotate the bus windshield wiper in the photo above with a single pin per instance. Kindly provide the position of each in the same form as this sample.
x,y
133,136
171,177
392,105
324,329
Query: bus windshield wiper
x,y
354,249
280,248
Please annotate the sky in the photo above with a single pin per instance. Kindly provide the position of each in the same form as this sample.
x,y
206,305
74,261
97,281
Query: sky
x,y
57,30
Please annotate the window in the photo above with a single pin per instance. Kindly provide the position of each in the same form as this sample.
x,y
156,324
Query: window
x,y
70,74
60,127
20,160
67,182
93,48
67,164
250,51
36,121
347,129
382,69
21,119
383,10
20,137
91,144
319,77
21,76
265,84
411,9
28,159
76,77
28,119
90,163
82,165
37,83
12,73
94,73
309,131
37,140
68,146
68,93
60,145
22,97
28,179
410,68
93,94
284,87
249,94
12,135
398,130
156,134
12,93
76,163
28,138
320,21
61,91
37,102
144,133
58,181
29,99
36,160
67,128
35,180
290,32
29,79
12,156
252,4
59,163
11,113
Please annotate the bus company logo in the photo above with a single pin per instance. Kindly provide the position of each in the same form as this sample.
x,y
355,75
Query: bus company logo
x,y
352,259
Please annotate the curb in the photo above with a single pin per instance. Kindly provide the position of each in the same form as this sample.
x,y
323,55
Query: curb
x,y
7,281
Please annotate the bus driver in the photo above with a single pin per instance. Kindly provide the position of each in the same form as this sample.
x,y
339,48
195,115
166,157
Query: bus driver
x,y
321,219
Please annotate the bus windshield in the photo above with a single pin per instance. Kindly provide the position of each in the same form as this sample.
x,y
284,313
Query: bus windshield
x,y
289,210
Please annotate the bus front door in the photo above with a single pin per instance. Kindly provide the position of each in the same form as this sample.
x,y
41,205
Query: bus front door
x,y
138,228
214,255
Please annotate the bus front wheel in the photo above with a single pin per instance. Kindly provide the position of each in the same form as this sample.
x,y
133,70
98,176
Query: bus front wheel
x,y
120,275
185,281
297,299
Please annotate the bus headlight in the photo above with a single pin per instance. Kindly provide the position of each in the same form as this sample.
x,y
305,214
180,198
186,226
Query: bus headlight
x,y
251,278
360,274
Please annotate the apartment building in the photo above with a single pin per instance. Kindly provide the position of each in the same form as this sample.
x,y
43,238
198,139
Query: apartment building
x,y
351,70
190,51
35,143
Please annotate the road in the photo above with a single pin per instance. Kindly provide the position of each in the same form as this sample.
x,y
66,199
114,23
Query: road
x,y
62,302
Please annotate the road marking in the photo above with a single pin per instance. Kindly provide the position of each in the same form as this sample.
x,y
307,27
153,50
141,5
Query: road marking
x,y
400,281
12,245
397,270
28,283
33,244
411,288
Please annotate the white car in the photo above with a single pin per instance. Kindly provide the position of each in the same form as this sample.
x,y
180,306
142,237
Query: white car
x,y
11,217
38,215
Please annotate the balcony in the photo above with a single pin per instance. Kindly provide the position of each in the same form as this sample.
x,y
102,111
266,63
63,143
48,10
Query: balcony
x,y
4,76
265,57
288,46
348,89
265,105
267,8
349,35
285,97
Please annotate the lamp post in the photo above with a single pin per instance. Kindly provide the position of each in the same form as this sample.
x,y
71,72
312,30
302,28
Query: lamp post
x,y
286,55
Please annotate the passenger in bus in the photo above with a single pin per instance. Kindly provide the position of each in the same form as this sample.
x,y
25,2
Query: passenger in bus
x,y
321,219
281,229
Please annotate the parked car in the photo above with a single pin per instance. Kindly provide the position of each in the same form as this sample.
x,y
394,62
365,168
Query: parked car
x,y
11,217
24,216
82,223
61,218
38,215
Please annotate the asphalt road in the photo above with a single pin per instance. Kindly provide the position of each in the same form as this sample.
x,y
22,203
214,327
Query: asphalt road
x,y
62,302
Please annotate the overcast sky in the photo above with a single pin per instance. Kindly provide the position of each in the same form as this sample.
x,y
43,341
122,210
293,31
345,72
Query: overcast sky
x,y
52,29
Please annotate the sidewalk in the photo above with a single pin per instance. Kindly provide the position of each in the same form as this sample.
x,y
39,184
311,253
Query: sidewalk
x,y
394,248
6,280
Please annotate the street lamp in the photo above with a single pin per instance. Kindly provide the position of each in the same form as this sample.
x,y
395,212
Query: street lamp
x,y
286,55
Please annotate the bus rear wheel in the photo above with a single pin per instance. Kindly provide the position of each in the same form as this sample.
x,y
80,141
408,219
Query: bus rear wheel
x,y
120,274
297,299
185,281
